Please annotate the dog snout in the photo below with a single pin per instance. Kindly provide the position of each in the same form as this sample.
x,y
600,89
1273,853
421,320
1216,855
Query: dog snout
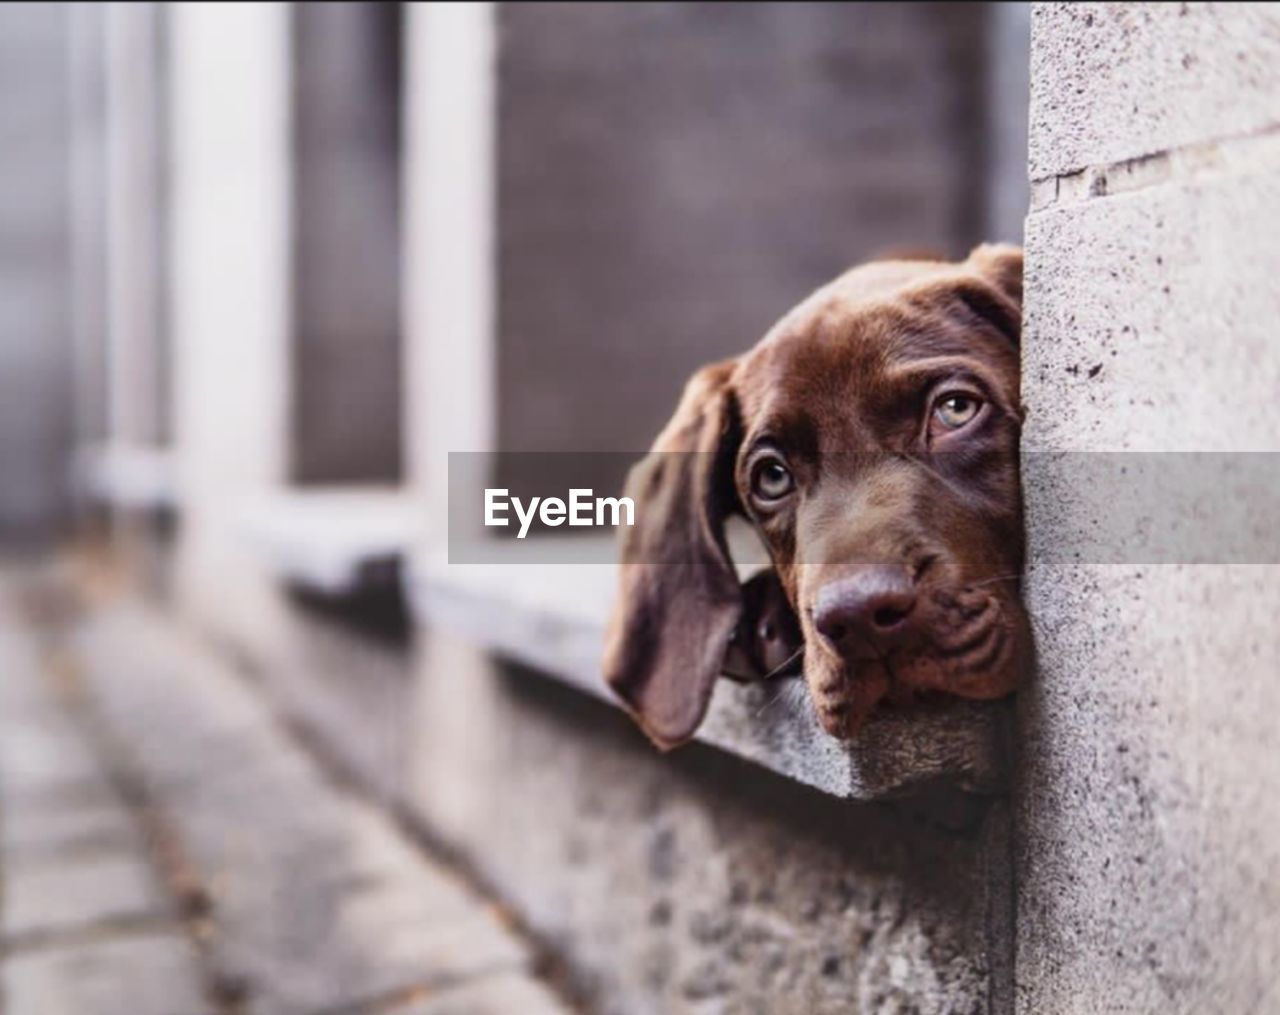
x,y
872,609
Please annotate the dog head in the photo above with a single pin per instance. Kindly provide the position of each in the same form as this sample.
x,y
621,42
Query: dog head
x,y
871,438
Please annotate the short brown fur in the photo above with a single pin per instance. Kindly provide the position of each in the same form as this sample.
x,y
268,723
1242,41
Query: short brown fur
x,y
886,501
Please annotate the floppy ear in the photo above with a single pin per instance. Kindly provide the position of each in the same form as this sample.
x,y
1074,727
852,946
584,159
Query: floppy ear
x,y
679,597
996,295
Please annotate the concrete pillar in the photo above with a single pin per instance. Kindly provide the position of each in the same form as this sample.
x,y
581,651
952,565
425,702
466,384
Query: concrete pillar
x,y
449,290
1149,801
449,295
230,247
135,277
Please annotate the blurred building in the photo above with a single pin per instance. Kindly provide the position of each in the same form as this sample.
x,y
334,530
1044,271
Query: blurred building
x,y
36,393
266,266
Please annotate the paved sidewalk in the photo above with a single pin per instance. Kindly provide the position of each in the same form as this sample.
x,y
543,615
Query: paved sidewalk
x,y
166,848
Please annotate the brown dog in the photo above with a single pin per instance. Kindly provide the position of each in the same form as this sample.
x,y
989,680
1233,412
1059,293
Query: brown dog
x,y
871,438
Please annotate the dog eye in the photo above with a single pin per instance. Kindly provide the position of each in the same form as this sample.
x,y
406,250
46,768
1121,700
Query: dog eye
x,y
771,479
955,409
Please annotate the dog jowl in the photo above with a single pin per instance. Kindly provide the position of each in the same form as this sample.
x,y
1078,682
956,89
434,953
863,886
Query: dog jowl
x,y
871,439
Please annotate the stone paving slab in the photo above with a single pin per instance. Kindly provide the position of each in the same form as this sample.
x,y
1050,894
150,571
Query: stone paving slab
x,y
76,893
55,796
45,759
318,902
84,927
41,828
20,689
153,974
498,995
43,754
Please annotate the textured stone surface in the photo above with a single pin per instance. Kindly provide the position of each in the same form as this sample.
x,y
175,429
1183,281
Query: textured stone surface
x,y
1119,81
304,898
330,676
1150,320
318,663
696,882
151,974
42,753
37,827
689,883
318,902
74,893
1148,863
81,915
43,756
552,616
1147,800
69,854
498,995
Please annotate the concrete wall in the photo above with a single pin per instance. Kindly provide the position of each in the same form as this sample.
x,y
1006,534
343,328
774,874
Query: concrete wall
x,y
1148,821
346,243
695,882
35,324
672,178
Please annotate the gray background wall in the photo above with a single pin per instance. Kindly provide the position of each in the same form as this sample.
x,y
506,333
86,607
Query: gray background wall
x,y
136,265
673,177
1148,820
88,218
35,324
346,242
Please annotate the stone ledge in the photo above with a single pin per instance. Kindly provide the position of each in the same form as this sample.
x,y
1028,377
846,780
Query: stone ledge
x,y
337,541
135,477
551,617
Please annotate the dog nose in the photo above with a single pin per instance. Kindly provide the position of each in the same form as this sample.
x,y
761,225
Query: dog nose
x,y
872,607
